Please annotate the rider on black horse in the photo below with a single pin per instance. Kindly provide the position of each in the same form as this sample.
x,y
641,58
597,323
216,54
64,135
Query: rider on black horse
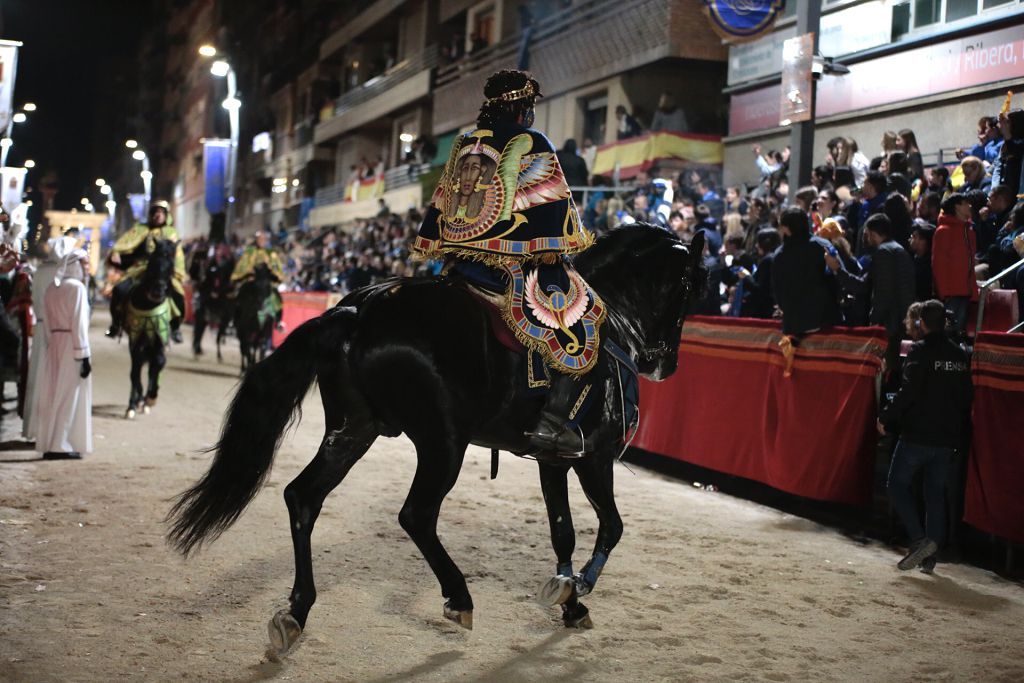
x,y
212,269
503,218
130,254
256,254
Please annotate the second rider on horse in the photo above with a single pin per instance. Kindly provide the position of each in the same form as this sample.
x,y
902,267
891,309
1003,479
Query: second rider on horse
x,y
130,254
257,254
503,219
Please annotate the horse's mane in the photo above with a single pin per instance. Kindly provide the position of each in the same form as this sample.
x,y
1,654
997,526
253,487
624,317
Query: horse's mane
x,y
609,249
606,265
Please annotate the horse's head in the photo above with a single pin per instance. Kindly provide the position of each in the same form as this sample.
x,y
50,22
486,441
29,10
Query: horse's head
x,y
160,269
649,279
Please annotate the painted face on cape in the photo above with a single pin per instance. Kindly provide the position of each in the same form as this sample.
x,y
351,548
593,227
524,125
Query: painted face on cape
x,y
469,174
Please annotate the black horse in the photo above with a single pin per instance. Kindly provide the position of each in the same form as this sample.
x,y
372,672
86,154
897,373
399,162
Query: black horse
x,y
214,305
147,316
419,357
254,316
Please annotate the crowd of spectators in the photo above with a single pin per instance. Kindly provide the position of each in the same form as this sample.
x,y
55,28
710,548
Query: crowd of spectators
x,y
857,246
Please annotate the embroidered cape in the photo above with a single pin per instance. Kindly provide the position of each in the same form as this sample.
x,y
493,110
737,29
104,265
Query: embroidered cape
x,y
503,201
137,244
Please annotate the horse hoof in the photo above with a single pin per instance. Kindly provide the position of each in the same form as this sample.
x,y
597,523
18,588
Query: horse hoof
x,y
578,617
284,631
463,618
129,414
146,410
556,591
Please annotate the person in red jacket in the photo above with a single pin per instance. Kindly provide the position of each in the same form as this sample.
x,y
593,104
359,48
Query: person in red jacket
x,y
953,249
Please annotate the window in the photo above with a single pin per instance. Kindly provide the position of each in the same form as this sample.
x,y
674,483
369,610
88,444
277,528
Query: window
x,y
595,114
960,9
908,15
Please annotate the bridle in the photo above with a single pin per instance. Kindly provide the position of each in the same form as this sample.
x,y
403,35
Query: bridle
x,y
663,348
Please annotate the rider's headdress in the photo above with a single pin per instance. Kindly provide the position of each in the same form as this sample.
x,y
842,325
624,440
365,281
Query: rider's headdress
x,y
526,92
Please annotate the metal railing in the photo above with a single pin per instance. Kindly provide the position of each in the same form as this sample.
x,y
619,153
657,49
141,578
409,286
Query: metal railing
x,y
574,18
984,288
407,68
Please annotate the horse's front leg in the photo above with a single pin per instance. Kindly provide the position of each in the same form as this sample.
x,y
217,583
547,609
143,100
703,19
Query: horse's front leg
x,y
596,478
135,375
561,589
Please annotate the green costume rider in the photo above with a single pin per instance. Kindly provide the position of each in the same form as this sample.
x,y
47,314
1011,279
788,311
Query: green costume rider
x,y
130,254
260,253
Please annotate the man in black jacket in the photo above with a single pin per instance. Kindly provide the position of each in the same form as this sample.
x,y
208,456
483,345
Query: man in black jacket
x,y
932,412
890,280
757,286
803,287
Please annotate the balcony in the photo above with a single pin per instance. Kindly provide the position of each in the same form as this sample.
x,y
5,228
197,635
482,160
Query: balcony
x,y
592,40
402,84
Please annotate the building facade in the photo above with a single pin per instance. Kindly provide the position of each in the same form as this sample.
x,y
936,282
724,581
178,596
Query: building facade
x,y
933,66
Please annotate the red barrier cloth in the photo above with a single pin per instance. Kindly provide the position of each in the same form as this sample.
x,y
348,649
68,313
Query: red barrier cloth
x,y
729,408
298,308
190,313
995,471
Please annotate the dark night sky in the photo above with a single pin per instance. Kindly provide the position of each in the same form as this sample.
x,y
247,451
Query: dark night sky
x,y
75,51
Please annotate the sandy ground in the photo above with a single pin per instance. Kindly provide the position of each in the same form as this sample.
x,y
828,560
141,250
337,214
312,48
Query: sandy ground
x,y
702,586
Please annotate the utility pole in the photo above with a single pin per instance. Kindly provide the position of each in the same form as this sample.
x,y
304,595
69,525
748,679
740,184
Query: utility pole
x,y
801,137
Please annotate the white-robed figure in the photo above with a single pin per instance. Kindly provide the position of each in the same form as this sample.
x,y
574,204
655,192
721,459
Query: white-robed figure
x,y
42,278
63,397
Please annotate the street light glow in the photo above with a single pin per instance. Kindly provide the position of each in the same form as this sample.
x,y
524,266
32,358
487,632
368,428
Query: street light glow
x,y
19,117
111,205
295,182
29,106
100,182
6,142
207,50
232,104
146,175
138,155
29,163
107,190
83,201
220,68
406,137
131,144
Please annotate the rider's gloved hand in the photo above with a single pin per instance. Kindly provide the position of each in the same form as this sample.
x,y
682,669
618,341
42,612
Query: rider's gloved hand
x,y
86,368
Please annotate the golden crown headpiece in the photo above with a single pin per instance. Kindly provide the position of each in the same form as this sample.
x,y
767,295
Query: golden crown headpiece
x,y
525,92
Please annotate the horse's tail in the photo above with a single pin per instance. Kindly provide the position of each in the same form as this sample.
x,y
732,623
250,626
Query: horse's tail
x,y
267,402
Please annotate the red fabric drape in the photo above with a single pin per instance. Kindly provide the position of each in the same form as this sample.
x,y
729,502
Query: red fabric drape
x,y
298,308
729,408
994,499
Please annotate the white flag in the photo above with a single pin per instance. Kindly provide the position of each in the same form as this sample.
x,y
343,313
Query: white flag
x,y
13,187
8,71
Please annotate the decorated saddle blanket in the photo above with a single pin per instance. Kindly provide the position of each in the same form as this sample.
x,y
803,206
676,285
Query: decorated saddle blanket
x,y
153,325
549,308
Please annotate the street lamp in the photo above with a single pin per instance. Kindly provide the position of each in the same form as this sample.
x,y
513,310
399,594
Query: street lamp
x,y
131,144
100,182
147,177
30,163
222,69
5,144
29,106
19,117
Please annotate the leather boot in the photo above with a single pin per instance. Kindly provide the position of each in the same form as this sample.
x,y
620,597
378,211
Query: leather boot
x,y
553,433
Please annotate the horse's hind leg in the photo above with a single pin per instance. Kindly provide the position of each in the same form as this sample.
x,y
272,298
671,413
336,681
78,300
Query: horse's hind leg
x,y
156,365
346,440
437,469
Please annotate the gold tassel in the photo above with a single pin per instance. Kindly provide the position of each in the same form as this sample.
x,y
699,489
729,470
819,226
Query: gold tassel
x,y
789,354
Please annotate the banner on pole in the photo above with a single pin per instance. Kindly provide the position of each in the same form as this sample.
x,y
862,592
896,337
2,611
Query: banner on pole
x,y
138,204
8,72
215,174
13,187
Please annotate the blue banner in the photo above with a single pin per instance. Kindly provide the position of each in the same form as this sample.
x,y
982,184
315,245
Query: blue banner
x,y
215,174
741,20
138,204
